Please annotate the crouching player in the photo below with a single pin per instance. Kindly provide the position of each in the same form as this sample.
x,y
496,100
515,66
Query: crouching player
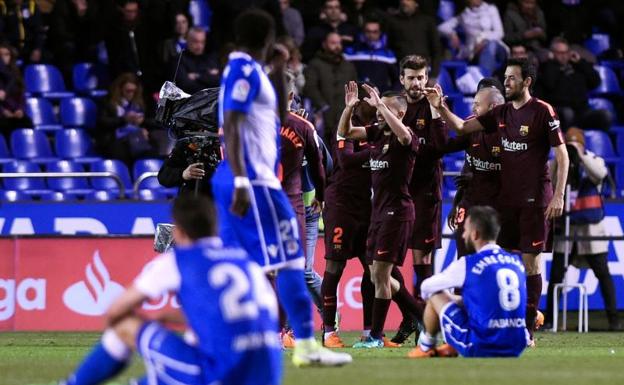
x,y
225,299
489,319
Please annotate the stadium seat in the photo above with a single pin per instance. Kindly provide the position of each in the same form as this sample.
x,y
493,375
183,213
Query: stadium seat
x,y
600,144
200,13
151,195
462,106
41,113
5,154
109,184
30,144
609,83
75,144
88,80
603,104
468,82
45,80
30,186
598,43
446,10
102,195
448,85
455,68
142,166
71,186
13,196
78,112
55,196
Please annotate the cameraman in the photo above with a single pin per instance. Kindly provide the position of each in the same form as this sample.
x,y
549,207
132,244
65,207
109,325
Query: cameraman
x,y
586,169
190,164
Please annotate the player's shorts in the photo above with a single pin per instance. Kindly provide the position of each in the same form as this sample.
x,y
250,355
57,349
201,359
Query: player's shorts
x,y
427,233
455,327
345,234
170,360
269,231
524,229
460,220
387,241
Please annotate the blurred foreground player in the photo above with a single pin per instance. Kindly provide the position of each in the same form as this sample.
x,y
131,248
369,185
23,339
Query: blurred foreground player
x,y
253,209
489,319
237,341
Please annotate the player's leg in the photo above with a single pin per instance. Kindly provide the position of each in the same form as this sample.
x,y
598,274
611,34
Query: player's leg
x,y
310,237
534,288
109,356
598,264
406,302
435,316
329,289
381,276
367,290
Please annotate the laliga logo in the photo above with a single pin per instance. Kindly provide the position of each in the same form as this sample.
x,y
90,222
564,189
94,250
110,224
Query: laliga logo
x,y
94,296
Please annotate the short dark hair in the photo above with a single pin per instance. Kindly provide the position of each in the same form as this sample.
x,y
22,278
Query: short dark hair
x,y
485,221
413,62
527,68
252,28
397,97
559,40
195,216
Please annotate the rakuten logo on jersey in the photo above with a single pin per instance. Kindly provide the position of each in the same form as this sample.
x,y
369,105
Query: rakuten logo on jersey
x,y
482,165
376,164
514,146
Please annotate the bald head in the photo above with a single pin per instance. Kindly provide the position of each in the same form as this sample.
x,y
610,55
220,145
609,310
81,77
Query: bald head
x,y
397,104
486,99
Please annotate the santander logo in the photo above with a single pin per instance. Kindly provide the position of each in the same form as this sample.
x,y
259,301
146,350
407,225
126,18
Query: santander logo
x,y
94,295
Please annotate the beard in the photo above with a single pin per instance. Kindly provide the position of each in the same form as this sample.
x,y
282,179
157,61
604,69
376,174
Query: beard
x,y
470,248
513,95
414,93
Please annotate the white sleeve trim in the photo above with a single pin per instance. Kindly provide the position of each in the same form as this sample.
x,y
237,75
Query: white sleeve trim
x,y
453,276
159,276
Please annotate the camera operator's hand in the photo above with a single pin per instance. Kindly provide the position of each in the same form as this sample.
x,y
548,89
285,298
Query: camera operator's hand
x,y
555,208
240,201
194,171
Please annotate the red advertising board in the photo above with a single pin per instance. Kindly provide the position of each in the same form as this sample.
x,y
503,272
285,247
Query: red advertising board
x,y
68,283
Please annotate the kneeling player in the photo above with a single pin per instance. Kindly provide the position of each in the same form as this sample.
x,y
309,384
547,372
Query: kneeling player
x,y
488,320
237,337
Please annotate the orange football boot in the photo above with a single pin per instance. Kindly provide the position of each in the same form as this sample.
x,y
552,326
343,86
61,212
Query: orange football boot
x,y
333,341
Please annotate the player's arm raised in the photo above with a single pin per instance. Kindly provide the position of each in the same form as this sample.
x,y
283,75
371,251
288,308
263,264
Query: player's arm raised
x,y
555,207
345,128
234,149
396,125
459,125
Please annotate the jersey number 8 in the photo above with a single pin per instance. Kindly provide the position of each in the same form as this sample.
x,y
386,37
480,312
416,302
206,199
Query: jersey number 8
x,y
508,289
234,305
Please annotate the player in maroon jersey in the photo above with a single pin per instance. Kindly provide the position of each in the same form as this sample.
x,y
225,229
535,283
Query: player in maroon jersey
x,y
528,128
392,154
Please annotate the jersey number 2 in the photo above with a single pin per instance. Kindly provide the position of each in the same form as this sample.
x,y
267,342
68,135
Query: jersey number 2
x,y
508,289
234,305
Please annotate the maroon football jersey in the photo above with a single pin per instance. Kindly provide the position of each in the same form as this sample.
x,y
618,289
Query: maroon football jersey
x,y
526,134
392,165
349,186
431,135
296,141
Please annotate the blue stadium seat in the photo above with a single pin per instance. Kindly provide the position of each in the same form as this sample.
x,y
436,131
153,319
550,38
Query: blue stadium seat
x,y
600,144
102,195
467,83
609,83
455,68
109,184
142,166
30,144
78,112
88,80
447,83
462,106
75,144
41,113
45,80
446,10
603,104
200,13
71,186
598,43
151,195
5,154
56,196
13,196
30,186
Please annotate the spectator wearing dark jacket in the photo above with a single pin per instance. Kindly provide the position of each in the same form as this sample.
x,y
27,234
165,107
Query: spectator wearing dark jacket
x,y
413,32
12,101
198,69
326,75
21,25
293,23
374,61
173,46
525,24
332,20
565,82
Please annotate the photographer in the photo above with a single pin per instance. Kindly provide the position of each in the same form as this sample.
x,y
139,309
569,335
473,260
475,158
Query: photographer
x,y
587,172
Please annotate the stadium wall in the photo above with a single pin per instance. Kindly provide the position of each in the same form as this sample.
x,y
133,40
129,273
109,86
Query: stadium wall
x,y
62,264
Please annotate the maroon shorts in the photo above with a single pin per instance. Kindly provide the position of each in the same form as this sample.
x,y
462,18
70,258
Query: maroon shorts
x,y
387,241
524,229
427,233
345,234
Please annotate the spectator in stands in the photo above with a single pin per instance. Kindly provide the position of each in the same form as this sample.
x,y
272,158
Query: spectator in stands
x,y
326,75
124,132
332,19
374,61
74,34
293,23
358,11
198,69
565,82
173,46
483,30
412,32
517,51
11,93
294,66
21,25
525,24
586,169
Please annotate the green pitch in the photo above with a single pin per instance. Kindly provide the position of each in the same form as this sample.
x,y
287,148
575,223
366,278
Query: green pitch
x,y
563,358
